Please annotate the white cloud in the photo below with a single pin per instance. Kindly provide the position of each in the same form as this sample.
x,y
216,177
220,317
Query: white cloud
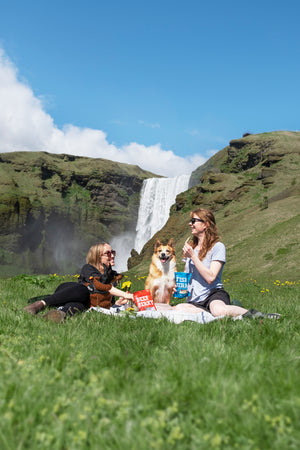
x,y
24,125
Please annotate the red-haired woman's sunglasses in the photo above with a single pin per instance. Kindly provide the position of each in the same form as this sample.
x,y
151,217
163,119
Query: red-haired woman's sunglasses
x,y
195,219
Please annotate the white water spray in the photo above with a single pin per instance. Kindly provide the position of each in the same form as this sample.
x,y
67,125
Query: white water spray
x,y
157,196
123,244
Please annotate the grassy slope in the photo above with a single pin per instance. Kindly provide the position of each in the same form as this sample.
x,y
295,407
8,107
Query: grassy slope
x,y
261,241
118,383
265,241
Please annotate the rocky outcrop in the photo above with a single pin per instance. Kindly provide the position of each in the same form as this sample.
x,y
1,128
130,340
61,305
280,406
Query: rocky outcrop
x,y
248,152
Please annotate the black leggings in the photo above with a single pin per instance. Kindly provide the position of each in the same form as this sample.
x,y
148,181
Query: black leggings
x,y
71,297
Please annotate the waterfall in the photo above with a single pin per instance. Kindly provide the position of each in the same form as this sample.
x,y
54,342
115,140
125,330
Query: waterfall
x,y
123,244
157,196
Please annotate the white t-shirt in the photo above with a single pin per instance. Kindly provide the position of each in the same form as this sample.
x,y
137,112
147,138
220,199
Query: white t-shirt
x,y
198,288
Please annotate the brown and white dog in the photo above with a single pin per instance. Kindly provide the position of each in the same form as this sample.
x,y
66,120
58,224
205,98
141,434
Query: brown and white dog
x,y
161,278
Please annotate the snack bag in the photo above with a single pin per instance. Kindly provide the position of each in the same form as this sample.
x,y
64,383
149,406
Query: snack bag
x,y
143,300
182,280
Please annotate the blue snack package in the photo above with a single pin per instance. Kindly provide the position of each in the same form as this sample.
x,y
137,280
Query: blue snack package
x,y
182,280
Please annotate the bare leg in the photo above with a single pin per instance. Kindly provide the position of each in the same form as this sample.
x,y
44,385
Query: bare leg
x,y
187,307
219,308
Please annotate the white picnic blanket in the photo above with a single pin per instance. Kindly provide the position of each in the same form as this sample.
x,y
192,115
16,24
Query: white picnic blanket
x,y
173,316
178,316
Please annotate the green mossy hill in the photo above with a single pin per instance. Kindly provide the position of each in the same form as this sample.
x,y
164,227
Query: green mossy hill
x,y
53,207
253,186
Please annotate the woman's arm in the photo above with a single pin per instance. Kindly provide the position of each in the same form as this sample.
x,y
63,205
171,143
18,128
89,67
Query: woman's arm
x,y
208,273
118,293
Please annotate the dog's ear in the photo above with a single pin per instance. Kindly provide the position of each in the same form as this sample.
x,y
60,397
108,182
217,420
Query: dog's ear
x,y
171,243
117,278
157,244
105,277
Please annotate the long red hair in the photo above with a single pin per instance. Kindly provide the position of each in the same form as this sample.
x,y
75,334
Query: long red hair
x,y
211,232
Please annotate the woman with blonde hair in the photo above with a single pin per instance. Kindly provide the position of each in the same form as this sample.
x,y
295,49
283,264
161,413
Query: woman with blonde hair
x,y
71,297
205,257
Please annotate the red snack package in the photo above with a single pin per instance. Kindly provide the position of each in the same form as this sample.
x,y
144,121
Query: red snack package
x,y
143,300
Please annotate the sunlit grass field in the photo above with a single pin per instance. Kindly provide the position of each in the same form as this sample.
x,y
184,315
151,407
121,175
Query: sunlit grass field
x,y
99,382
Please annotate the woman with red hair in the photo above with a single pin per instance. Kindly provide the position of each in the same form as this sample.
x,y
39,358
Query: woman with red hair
x,y
205,257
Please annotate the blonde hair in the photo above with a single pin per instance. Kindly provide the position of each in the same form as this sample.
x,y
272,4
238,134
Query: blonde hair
x,y
211,232
94,255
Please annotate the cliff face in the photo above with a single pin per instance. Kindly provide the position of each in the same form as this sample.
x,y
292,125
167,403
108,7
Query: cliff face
x,y
53,207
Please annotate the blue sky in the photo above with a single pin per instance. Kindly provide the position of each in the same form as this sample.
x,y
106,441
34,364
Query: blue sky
x,y
162,84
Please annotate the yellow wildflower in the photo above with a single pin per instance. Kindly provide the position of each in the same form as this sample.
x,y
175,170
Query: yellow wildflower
x,y
126,284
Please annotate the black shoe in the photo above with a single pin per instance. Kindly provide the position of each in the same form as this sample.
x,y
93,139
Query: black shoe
x,y
254,314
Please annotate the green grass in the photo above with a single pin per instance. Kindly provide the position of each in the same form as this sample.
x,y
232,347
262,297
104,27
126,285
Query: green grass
x,y
121,383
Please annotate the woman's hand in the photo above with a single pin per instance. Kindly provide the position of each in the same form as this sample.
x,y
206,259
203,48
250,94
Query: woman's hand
x,y
208,273
124,299
188,251
121,301
118,293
